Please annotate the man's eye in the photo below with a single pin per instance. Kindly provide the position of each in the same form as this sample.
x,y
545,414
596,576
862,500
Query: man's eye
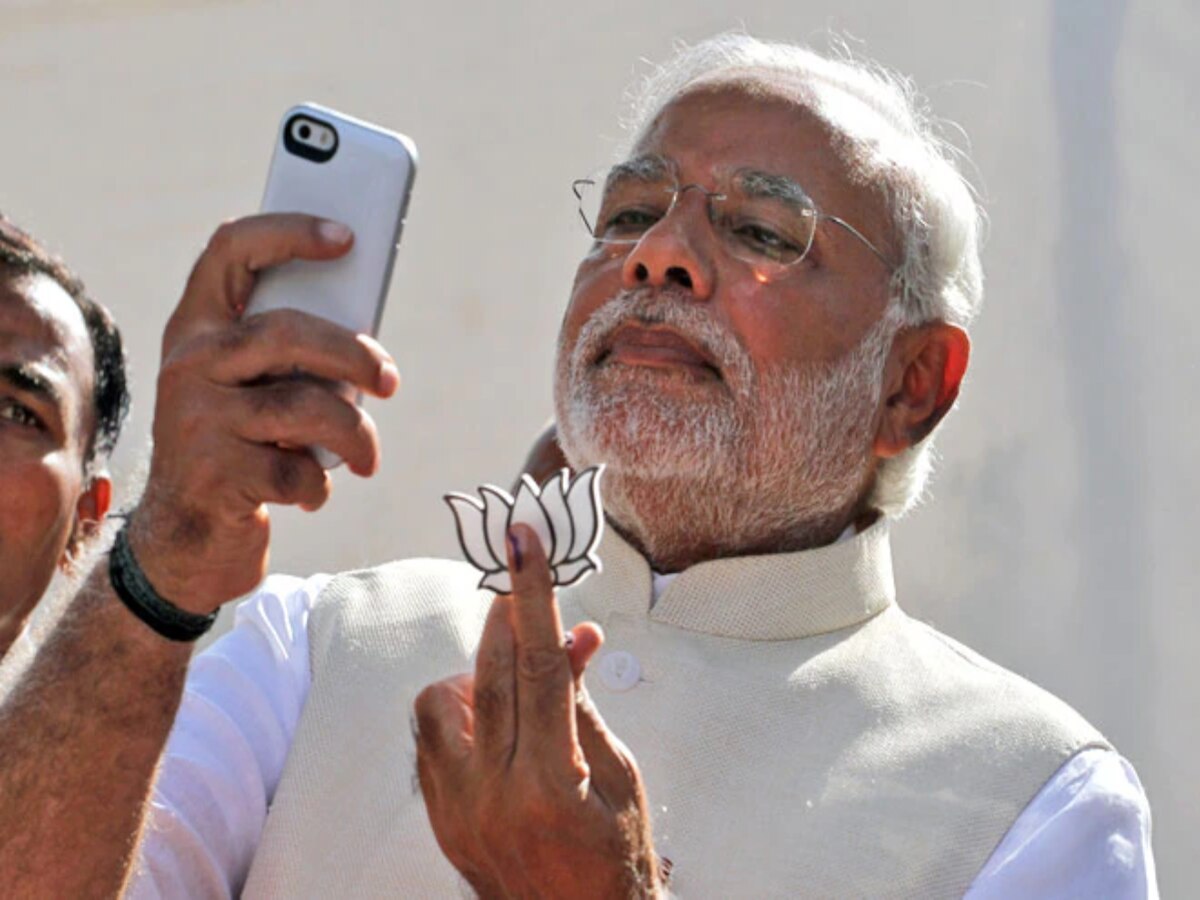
x,y
767,242
19,414
630,221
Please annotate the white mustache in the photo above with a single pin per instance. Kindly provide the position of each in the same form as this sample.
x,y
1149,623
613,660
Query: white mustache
x,y
675,309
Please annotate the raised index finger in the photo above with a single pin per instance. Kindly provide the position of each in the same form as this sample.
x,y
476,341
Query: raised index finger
x,y
495,687
545,689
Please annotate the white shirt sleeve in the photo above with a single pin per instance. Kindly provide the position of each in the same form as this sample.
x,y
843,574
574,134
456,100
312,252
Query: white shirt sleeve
x,y
225,755
1085,834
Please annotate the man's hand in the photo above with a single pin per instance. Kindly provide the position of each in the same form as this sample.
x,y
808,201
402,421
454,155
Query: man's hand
x,y
527,791
238,401
84,725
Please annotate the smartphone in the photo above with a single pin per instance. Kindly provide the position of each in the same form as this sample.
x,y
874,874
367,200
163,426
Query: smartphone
x,y
331,165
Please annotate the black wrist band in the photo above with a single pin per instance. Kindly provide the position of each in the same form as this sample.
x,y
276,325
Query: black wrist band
x,y
136,592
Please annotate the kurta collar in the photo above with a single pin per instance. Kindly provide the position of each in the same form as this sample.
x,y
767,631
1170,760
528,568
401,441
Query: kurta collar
x,y
780,596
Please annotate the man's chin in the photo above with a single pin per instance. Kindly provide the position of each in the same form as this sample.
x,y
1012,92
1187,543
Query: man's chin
x,y
636,442
644,421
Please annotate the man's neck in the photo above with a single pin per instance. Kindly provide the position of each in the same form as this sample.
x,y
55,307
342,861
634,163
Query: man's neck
x,y
675,529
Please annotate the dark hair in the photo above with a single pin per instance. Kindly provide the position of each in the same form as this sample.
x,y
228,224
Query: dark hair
x,y
21,254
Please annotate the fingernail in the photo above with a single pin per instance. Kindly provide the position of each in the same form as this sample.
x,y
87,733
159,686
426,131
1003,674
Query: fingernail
x,y
568,640
333,232
514,551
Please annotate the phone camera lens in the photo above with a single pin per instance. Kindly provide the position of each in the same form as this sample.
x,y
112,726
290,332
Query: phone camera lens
x,y
305,132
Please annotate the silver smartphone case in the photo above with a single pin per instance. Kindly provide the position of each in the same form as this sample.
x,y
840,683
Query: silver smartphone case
x,y
365,185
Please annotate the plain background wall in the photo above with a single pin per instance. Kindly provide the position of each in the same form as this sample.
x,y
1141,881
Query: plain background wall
x,y
1058,540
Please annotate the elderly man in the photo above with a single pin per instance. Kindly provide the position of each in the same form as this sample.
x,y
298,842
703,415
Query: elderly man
x,y
767,330
62,402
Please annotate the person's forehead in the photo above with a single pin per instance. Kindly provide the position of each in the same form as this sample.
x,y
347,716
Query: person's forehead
x,y
724,126
41,324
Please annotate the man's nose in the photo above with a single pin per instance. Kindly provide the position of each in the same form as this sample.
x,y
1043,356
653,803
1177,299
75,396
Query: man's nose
x,y
675,252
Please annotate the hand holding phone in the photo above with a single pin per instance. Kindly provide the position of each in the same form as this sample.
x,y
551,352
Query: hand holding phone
x,y
229,432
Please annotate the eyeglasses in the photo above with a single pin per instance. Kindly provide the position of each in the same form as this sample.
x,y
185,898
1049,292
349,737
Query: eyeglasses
x,y
763,219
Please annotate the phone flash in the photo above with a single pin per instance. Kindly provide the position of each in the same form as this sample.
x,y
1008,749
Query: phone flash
x,y
324,138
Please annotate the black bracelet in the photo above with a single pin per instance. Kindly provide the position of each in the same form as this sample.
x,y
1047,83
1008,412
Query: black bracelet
x,y
136,592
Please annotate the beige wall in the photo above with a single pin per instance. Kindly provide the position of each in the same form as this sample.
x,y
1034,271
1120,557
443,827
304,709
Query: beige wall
x,y
1059,537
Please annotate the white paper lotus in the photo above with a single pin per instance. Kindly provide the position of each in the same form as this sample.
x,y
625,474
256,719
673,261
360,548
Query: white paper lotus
x,y
565,513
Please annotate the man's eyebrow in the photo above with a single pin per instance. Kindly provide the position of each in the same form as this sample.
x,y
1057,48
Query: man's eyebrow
x,y
645,168
775,187
29,379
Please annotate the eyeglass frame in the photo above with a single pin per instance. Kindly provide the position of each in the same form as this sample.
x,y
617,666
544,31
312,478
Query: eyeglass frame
x,y
785,187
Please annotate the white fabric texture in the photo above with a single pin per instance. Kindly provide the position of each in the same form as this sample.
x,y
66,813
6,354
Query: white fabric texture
x,y
1086,833
223,760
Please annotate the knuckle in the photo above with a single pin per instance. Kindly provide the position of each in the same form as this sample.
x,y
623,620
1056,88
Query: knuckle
x,y
427,701
538,663
237,335
184,357
287,474
491,702
274,398
222,239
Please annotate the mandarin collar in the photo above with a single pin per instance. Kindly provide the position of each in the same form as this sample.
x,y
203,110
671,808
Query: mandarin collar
x,y
767,597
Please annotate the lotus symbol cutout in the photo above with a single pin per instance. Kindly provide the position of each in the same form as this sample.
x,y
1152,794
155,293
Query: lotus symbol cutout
x,y
565,513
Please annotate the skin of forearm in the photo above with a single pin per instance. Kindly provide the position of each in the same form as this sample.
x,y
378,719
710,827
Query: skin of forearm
x,y
81,732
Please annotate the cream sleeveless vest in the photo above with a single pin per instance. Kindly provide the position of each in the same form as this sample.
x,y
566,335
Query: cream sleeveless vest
x,y
799,735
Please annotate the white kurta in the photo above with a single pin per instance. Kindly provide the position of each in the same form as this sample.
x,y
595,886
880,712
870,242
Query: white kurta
x,y
1086,832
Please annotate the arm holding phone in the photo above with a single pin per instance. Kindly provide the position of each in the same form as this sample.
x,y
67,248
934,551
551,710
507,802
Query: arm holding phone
x,y
84,725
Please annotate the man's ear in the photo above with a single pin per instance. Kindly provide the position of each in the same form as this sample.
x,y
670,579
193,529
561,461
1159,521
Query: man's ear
x,y
90,510
921,383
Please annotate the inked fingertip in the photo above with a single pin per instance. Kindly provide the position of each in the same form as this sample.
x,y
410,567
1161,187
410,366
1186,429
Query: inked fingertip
x,y
516,549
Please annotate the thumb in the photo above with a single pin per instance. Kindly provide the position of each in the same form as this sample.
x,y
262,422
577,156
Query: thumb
x,y
582,642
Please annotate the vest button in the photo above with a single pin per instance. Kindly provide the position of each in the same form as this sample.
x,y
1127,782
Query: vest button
x,y
620,671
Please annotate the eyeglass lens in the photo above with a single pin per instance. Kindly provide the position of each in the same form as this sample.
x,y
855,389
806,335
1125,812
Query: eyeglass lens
x,y
769,228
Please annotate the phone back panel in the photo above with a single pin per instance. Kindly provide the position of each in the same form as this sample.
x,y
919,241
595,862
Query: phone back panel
x,y
364,185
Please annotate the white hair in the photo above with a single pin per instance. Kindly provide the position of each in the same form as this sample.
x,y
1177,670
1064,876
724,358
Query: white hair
x,y
888,136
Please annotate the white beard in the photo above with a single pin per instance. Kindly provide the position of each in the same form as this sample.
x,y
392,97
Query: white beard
x,y
775,459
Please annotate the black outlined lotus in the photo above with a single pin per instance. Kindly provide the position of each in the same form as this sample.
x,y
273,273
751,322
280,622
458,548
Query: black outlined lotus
x,y
565,513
